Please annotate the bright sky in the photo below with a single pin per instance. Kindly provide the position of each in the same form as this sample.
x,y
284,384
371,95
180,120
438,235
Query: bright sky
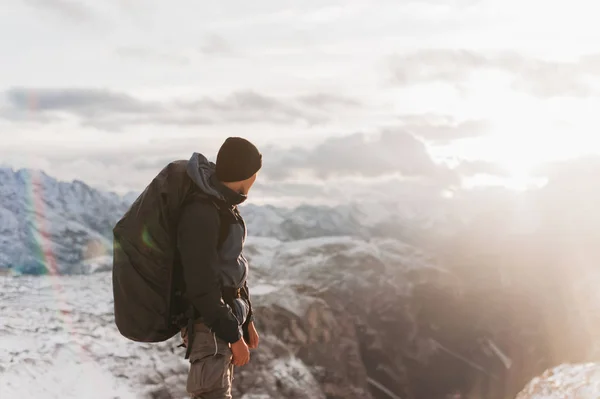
x,y
107,92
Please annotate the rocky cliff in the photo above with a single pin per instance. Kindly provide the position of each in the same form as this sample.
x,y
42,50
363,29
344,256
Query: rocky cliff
x,y
339,318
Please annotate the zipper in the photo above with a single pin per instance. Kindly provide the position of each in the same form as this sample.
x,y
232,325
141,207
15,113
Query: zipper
x,y
216,345
245,228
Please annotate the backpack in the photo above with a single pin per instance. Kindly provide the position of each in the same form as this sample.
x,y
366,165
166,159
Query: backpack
x,y
148,287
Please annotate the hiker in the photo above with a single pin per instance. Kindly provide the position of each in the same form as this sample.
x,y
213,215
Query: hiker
x,y
179,267
216,280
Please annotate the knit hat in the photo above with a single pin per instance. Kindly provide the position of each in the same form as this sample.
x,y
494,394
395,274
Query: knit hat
x,y
237,160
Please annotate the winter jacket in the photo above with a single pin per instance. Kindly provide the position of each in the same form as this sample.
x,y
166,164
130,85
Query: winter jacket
x,y
210,270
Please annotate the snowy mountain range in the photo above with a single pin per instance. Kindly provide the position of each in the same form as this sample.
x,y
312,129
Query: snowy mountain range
x,y
47,222
67,225
505,294
339,318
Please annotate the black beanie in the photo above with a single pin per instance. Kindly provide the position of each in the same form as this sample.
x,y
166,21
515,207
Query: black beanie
x,y
237,160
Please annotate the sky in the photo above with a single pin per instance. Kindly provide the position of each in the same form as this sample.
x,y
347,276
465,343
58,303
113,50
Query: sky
x,y
337,95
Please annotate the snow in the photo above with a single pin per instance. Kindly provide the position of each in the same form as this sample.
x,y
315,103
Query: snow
x,y
293,373
263,289
58,340
98,264
65,376
580,381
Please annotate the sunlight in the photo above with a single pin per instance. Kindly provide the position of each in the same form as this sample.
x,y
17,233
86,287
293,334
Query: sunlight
x,y
523,142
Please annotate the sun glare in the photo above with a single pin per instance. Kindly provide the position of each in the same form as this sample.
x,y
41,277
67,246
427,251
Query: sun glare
x,y
520,150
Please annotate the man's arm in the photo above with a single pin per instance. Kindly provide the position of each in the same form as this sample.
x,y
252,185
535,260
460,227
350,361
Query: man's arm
x,y
197,239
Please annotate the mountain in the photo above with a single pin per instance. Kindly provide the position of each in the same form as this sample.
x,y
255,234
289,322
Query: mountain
x,y
337,320
47,223
479,295
402,218
339,317
66,226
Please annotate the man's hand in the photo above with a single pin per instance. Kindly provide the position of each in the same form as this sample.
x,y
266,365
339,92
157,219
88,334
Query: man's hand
x,y
253,336
241,353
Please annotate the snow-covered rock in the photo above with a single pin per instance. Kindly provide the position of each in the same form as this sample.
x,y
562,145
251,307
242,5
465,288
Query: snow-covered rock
x,y
313,299
580,381
358,315
47,225
339,317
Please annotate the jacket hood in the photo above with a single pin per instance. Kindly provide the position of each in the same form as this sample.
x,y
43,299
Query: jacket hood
x,y
202,172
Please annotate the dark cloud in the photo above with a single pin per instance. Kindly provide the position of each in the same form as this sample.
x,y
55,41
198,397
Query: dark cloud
x,y
392,152
112,110
69,9
541,78
81,102
145,54
442,129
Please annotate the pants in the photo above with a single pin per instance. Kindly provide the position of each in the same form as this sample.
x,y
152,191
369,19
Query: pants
x,y
211,370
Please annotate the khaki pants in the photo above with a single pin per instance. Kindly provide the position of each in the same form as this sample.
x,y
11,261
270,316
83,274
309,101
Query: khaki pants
x,y
211,370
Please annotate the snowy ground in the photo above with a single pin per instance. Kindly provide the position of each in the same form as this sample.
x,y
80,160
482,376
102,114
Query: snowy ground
x,y
57,340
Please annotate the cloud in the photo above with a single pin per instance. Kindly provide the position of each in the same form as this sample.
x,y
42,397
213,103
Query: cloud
x,y
341,162
392,152
146,54
473,168
215,45
106,109
581,171
442,129
540,78
392,189
328,100
81,102
69,9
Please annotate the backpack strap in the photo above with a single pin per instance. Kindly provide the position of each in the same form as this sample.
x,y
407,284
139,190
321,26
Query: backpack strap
x,y
224,224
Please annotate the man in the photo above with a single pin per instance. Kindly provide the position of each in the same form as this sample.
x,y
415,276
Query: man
x,y
210,240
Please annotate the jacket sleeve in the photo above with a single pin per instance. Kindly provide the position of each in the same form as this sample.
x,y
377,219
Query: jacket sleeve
x,y
197,239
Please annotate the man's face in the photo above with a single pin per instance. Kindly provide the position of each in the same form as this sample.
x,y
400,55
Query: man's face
x,y
247,184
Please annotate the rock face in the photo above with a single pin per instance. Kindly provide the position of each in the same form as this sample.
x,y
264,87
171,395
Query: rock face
x,y
334,316
581,381
338,317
